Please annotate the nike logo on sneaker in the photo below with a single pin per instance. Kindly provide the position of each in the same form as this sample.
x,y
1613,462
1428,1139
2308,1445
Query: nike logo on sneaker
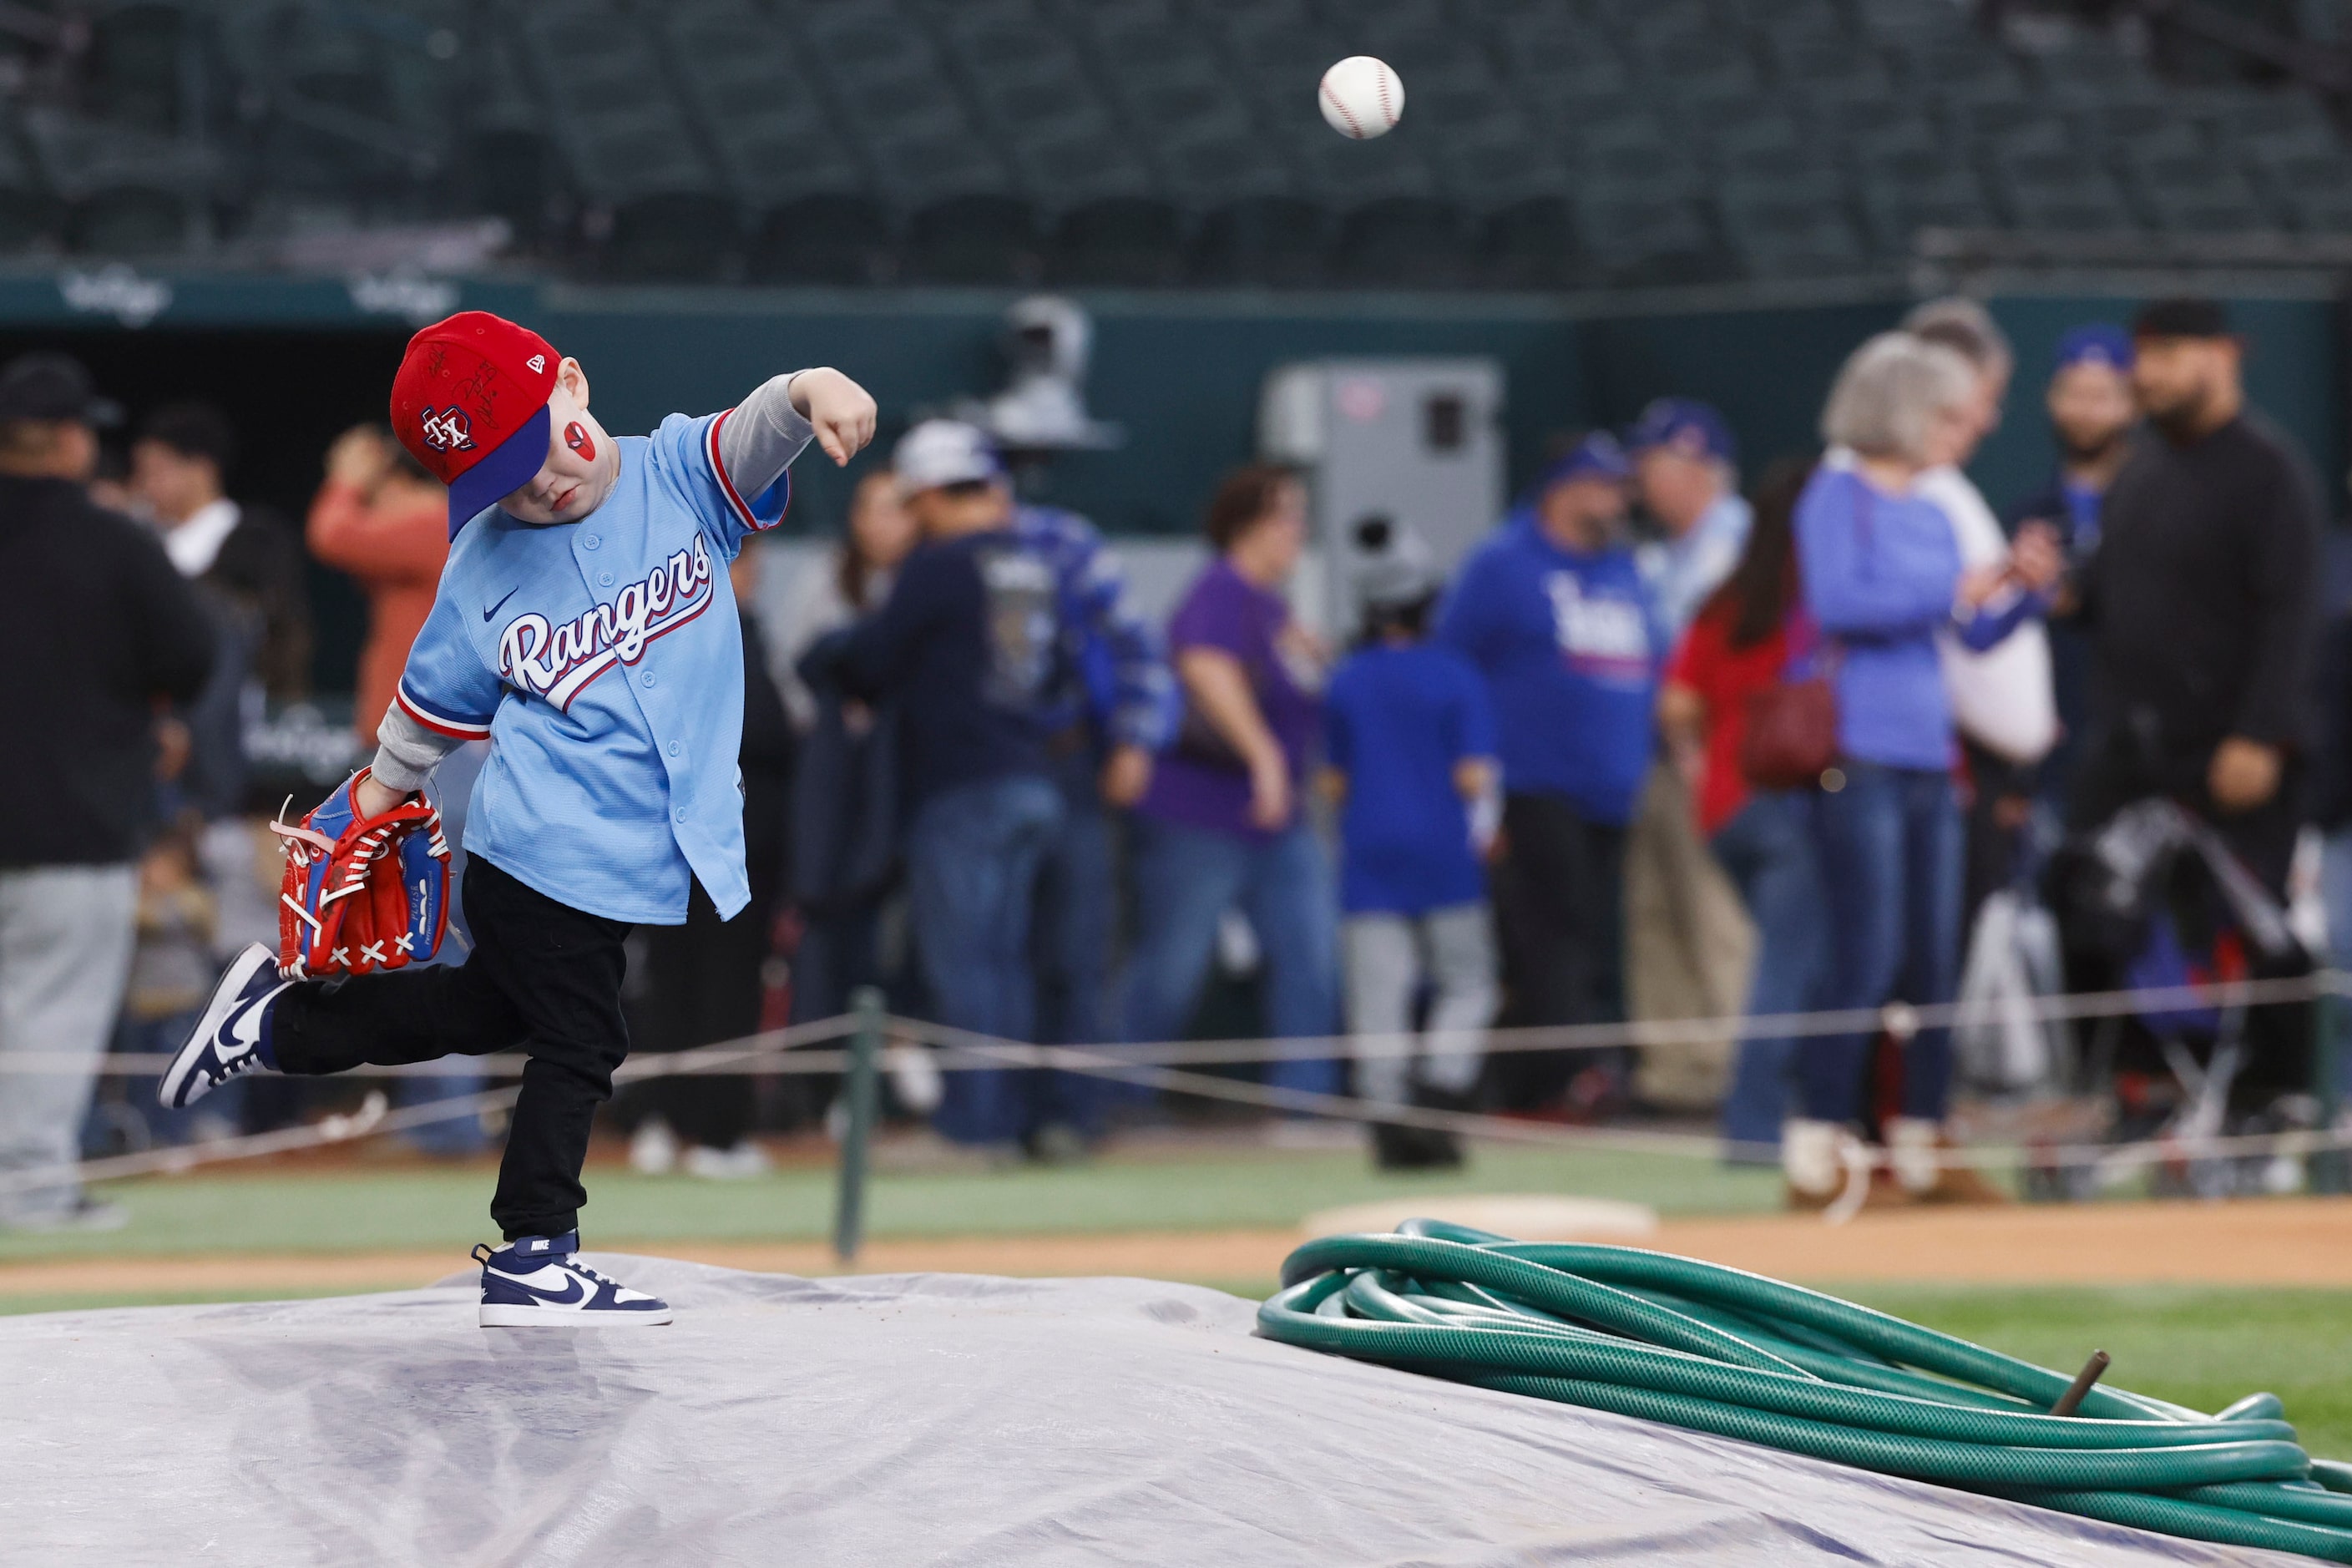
x,y
493,610
575,1290
243,1034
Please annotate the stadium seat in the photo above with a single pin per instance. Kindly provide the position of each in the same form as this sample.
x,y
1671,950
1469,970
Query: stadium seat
x,y
137,69
1532,245
1896,207
2197,196
1640,236
749,93
1703,72
1404,242
1633,149
652,204
1270,240
125,192
683,237
1134,242
2311,191
1777,232
839,238
2059,193
979,238
1557,66
30,217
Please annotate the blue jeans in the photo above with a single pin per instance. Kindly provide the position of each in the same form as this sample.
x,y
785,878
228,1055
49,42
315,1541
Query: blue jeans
x,y
1075,915
1768,851
972,855
1185,880
1890,856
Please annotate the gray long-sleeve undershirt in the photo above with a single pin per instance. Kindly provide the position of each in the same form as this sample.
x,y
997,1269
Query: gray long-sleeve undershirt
x,y
757,444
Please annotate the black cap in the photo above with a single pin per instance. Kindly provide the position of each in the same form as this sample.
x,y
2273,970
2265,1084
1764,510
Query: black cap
x,y
192,430
2184,317
53,387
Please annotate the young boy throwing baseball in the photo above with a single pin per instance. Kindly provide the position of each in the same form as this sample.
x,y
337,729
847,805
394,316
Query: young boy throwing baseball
x,y
579,626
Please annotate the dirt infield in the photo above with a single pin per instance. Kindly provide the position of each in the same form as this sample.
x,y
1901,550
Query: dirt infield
x,y
2294,1241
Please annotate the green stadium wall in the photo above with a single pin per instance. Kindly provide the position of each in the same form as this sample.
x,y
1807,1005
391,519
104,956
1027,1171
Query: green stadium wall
x,y
297,360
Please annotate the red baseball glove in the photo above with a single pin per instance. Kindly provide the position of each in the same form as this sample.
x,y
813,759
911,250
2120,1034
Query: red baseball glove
x,y
361,893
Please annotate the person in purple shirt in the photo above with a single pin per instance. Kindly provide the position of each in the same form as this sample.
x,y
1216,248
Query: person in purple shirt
x,y
1881,575
1221,825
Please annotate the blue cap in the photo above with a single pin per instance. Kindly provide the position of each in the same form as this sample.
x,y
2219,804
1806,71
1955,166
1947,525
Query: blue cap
x,y
2100,342
1685,424
1597,456
512,465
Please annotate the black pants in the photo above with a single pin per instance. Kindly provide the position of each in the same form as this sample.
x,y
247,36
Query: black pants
x,y
1560,918
542,976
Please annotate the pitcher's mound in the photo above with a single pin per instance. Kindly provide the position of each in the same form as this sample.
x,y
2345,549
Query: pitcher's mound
x,y
1532,1217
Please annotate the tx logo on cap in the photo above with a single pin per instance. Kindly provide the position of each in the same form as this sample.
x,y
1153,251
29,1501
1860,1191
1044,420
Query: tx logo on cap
x,y
447,429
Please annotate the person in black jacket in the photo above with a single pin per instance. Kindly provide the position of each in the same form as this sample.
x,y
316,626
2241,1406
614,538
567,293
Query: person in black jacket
x,y
707,981
2203,605
98,630
248,555
2092,415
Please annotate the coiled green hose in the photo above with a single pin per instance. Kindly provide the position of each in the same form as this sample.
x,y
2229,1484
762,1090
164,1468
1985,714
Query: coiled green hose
x,y
1694,1344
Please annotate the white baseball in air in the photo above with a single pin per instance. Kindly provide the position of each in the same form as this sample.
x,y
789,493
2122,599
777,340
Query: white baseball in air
x,y
1361,98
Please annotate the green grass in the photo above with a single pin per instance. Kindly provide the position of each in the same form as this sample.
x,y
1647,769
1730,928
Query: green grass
x,y
2202,1347
1225,1188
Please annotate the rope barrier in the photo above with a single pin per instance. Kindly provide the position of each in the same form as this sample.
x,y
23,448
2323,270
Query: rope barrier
x,y
1159,1065
1902,1018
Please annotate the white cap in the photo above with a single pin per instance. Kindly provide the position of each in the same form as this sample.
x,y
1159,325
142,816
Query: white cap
x,y
943,452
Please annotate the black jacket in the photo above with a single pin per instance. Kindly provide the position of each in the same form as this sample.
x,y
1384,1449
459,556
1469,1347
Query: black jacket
x,y
2203,596
95,627
259,571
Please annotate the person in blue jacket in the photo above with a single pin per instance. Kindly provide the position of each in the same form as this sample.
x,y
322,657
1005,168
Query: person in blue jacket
x,y
1881,575
1556,616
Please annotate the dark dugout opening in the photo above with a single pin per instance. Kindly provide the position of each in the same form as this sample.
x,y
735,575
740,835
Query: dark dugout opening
x,y
289,393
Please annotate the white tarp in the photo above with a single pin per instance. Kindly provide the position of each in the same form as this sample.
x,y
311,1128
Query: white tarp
x,y
928,1419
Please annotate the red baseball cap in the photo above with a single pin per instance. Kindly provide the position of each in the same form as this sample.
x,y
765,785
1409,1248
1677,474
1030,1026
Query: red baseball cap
x,y
470,404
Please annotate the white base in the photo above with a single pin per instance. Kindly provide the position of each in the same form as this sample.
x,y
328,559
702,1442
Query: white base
x,y
504,1315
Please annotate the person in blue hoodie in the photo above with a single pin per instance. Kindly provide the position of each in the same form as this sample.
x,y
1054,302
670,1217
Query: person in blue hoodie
x,y
1882,576
1556,615
1409,762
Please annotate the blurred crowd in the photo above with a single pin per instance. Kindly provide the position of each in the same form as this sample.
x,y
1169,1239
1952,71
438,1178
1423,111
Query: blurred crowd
x,y
1666,745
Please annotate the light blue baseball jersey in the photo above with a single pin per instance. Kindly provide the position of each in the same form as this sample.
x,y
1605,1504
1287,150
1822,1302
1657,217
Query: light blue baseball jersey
x,y
603,660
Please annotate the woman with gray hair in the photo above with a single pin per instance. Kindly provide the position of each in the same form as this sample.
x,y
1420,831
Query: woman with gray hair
x,y
1883,577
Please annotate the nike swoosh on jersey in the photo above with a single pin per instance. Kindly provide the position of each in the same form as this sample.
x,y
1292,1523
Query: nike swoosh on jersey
x,y
510,594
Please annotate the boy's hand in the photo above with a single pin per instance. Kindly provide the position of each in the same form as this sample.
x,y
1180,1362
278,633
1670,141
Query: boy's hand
x,y
841,410
373,799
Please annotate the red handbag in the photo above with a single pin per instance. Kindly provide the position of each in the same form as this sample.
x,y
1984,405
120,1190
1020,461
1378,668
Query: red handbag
x,y
1792,724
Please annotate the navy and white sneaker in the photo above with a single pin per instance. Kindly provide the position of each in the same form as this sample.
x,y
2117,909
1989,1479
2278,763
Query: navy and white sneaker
x,y
228,1039
536,1280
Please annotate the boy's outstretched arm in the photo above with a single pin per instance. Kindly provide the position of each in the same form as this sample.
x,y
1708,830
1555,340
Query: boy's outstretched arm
x,y
768,429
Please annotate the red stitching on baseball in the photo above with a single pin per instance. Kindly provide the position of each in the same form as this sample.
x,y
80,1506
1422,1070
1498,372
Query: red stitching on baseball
x,y
1353,129
1381,81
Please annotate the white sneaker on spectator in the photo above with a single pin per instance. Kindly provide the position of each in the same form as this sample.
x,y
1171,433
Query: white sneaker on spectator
x,y
745,1160
741,1162
915,1079
653,1150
